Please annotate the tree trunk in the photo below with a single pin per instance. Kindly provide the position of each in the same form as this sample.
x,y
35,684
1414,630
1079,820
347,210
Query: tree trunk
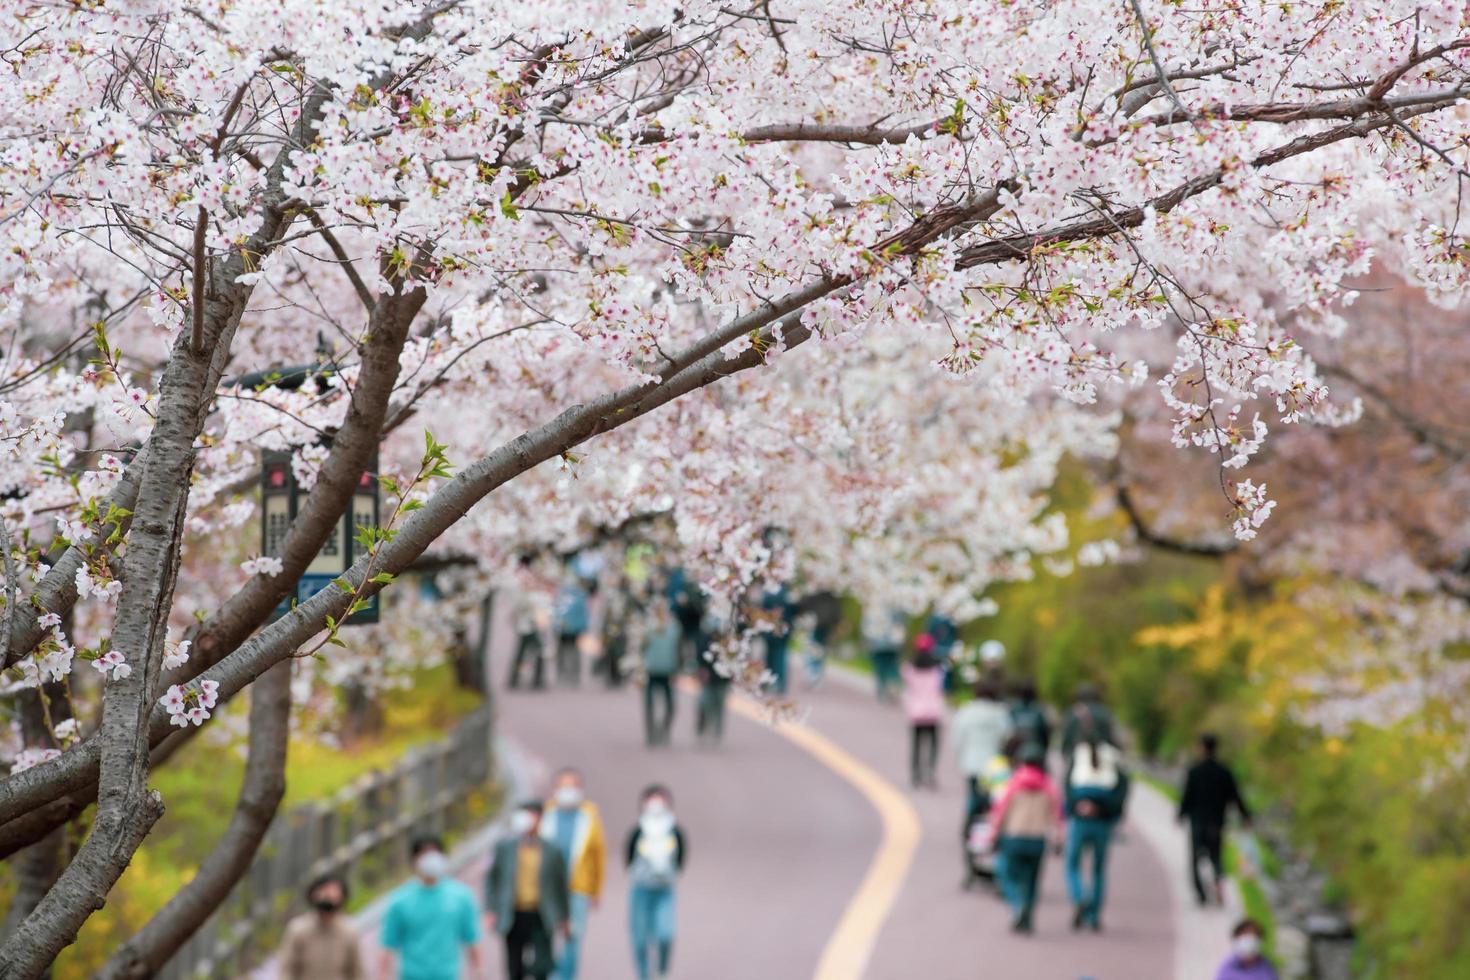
x,y
260,794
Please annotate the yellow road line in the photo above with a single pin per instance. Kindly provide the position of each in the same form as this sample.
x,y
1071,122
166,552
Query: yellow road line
x,y
851,943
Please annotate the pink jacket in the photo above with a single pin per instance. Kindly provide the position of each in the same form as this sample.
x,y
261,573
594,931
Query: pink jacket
x,y
923,694
1027,779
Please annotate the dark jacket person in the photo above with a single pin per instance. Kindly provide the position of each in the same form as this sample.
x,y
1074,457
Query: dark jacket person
x,y
526,895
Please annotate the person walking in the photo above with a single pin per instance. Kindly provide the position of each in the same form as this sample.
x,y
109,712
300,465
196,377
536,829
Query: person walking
x,y
572,822
530,616
714,687
656,853
1210,790
432,923
1025,817
979,730
526,895
1087,717
923,702
778,612
322,944
573,617
1095,795
883,631
660,664
1028,718
1246,961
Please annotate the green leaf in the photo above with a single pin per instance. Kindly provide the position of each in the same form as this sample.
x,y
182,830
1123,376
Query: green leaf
x,y
383,578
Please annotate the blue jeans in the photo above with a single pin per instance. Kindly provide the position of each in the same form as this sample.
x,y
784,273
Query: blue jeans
x,y
1023,857
571,947
1084,833
650,922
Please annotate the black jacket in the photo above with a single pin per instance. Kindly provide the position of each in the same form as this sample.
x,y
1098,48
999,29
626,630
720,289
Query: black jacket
x,y
1209,790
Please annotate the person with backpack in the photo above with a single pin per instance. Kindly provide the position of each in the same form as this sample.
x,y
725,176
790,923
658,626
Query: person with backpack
x,y
660,664
1096,792
1087,717
1025,817
979,731
1210,790
1028,718
923,702
656,853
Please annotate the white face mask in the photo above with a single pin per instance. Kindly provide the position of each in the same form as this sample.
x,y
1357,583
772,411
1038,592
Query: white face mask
x,y
569,797
432,865
521,822
657,810
1247,945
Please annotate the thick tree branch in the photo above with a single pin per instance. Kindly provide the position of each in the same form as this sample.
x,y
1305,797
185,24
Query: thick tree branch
x,y
260,794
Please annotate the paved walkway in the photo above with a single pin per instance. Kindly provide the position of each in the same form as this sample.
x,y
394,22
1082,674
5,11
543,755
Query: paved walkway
x,y
807,862
779,843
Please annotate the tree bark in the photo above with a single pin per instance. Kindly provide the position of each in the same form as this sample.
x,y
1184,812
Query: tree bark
x,y
126,809
260,795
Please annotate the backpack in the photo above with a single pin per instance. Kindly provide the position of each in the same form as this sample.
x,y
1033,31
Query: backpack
x,y
655,858
1105,784
1083,775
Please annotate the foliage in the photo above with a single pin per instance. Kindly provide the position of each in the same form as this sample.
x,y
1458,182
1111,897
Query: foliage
x,y
199,788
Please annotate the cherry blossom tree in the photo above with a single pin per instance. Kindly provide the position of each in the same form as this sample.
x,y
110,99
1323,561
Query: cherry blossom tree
x,y
566,253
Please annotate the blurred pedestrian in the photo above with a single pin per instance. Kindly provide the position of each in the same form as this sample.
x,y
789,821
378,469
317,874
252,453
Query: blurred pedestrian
x,y
1096,793
979,730
1028,718
1088,717
660,664
530,617
1025,817
322,944
687,604
573,616
617,623
1247,959
526,897
656,853
432,922
778,612
923,702
883,632
946,634
572,822
1210,790
714,687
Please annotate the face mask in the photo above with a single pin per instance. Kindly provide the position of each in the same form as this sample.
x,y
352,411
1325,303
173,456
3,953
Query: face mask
x,y
656,809
1247,946
431,865
569,797
326,904
521,822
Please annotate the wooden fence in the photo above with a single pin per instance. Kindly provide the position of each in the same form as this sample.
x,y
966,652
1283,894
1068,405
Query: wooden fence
x,y
362,832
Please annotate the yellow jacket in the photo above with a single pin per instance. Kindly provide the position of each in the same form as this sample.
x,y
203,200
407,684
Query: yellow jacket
x,y
588,860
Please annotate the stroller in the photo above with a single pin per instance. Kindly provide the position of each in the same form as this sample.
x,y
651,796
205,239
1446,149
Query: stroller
x,y
978,845
978,837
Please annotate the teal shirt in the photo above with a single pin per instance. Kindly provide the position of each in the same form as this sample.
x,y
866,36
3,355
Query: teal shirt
x,y
428,926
